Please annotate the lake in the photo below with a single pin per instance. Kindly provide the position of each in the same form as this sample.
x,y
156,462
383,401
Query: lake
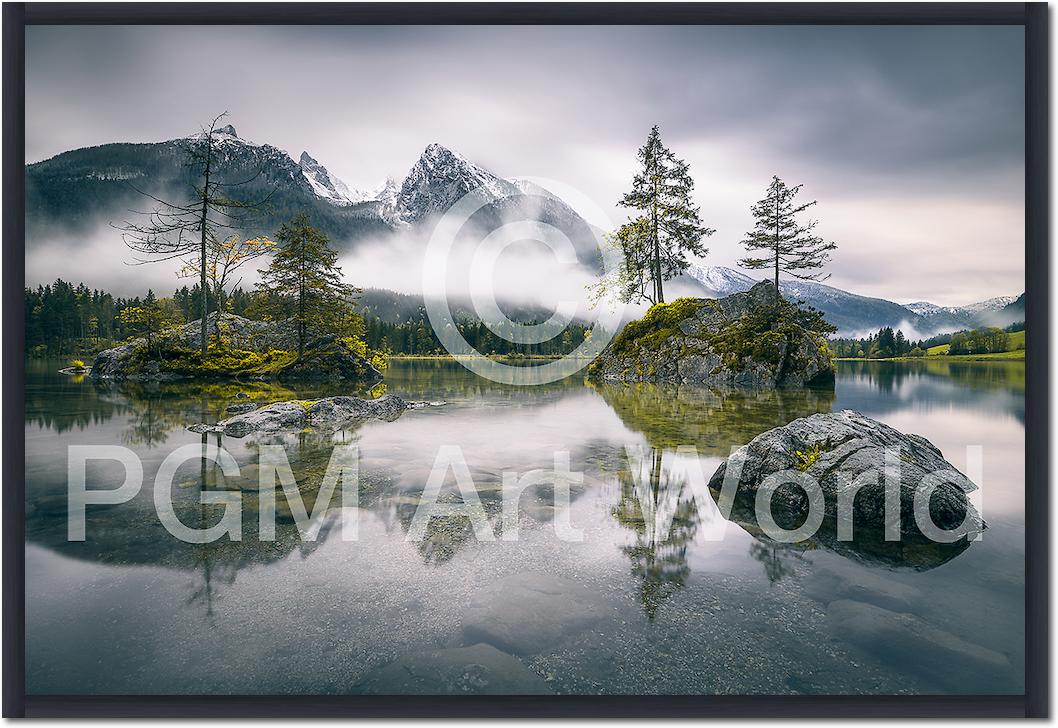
x,y
710,607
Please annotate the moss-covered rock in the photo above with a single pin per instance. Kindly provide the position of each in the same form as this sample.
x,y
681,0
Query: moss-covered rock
x,y
251,349
741,340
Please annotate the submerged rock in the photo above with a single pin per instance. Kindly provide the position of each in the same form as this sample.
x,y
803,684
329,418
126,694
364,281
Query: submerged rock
x,y
331,413
254,349
476,670
530,613
836,449
844,580
726,341
910,644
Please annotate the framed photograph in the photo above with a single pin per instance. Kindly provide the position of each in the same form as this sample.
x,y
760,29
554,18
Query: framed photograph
x,y
518,359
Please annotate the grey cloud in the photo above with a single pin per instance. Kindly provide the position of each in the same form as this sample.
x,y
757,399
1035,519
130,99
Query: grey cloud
x,y
857,113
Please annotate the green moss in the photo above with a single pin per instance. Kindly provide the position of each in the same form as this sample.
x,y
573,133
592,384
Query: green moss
x,y
759,335
765,335
225,362
654,331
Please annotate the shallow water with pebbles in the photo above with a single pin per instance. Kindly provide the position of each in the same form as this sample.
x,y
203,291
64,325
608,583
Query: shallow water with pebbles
x,y
708,607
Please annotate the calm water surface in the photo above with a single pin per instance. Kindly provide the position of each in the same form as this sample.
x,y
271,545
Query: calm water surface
x,y
709,607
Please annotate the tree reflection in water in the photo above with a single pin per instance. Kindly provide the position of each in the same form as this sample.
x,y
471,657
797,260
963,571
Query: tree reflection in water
x,y
712,421
648,501
777,559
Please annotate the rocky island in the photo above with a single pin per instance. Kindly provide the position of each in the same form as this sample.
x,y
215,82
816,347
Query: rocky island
x,y
745,339
252,349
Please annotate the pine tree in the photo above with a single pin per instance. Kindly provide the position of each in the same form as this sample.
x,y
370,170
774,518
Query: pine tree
x,y
305,284
791,246
656,242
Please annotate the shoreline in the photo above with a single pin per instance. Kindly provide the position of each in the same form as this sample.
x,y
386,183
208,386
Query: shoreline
x,y
1002,356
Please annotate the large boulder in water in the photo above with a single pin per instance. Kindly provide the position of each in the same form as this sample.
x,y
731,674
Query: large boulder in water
x,y
261,349
847,450
738,340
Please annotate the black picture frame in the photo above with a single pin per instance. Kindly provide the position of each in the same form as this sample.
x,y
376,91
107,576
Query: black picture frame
x,y
1032,16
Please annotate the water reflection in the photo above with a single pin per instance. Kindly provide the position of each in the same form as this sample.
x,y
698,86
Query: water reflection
x,y
779,560
676,594
711,420
652,497
985,387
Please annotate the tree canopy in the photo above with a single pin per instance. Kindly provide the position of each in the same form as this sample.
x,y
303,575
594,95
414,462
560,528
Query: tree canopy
x,y
304,283
779,242
656,242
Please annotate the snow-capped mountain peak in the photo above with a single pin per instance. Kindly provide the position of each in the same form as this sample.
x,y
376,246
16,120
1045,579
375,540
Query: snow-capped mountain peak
x,y
326,186
386,191
721,280
439,178
223,135
924,308
991,304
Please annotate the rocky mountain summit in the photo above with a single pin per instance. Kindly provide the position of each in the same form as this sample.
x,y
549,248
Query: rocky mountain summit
x,y
725,341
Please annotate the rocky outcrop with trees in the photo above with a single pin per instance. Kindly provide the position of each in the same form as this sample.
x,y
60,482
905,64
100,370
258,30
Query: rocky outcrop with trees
x,y
746,339
251,349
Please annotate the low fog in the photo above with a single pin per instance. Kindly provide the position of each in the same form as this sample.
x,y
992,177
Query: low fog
x,y
525,274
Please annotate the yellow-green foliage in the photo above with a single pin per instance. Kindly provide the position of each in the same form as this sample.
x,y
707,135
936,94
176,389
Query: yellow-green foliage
x,y
379,360
225,362
806,458
77,364
355,345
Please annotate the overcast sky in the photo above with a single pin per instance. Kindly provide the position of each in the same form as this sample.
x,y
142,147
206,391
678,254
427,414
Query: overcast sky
x,y
910,138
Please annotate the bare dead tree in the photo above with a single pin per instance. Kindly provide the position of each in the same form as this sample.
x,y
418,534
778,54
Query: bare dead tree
x,y
173,230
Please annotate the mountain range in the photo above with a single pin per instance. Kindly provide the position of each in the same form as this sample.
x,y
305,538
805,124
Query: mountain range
x,y
82,187
856,315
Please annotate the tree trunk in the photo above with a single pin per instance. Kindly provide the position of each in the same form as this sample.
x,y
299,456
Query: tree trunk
x,y
659,293
219,295
203,336
776,253
301,313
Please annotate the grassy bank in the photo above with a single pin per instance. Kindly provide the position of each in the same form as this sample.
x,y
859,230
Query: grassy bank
x,y
998,356
940,352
